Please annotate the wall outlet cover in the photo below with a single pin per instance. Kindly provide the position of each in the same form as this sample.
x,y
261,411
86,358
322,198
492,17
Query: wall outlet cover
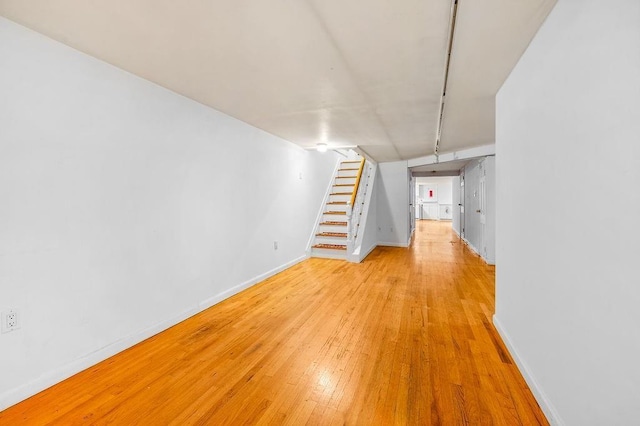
x,y
10,320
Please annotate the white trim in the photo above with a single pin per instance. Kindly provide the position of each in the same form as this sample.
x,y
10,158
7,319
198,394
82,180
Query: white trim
x,y
371,180
364,154
207,303
541,397
471,246
361,257
478,151
491,262
390,244
22,392
329,254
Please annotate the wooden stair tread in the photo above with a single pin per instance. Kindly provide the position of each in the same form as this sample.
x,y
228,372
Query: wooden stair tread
x,y
339,189
332,234
330,246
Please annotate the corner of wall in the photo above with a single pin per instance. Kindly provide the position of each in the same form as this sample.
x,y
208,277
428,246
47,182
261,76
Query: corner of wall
x,y
545,403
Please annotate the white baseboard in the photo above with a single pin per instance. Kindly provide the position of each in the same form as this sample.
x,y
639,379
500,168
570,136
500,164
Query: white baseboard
x,y
545,404
14,396
471,247
207,303
394,244
359,257
491,262
368,252
329,254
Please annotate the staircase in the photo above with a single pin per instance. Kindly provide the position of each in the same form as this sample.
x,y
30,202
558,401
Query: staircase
x,y
332,233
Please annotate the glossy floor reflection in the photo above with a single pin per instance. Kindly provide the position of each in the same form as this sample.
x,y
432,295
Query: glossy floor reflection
x,y
403,338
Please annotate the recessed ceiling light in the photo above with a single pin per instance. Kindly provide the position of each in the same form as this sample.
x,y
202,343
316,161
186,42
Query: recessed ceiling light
x,y
321,147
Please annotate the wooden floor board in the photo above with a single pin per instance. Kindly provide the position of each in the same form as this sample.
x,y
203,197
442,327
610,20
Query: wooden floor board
x,y
403,338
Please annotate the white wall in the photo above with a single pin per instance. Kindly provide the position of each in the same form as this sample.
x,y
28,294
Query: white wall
x,y
125,208
455,200
392,183
444,185
472,228
480,237
489,238
413,206
568,291
444,194
370,236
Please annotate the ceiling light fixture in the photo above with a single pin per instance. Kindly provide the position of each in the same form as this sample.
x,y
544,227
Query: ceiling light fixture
x,y
321,147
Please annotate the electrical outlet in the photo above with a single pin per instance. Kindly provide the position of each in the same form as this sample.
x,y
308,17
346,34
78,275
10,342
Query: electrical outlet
x,y
275,245
10,320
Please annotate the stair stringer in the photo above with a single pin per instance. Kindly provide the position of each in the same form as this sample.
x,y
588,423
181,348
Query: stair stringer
x,y
357,255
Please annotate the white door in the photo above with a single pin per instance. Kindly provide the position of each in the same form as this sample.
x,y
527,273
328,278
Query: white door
x,y
482,204
413,214
461,204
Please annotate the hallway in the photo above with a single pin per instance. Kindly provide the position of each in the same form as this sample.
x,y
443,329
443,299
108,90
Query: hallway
x,y
403,338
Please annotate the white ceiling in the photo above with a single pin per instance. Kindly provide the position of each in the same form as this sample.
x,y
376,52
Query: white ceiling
x,y
347,72
490,37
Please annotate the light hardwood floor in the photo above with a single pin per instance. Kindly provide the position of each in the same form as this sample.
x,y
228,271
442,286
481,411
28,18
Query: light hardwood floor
x,y
403,338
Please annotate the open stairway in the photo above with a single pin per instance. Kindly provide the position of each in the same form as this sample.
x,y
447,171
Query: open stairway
x,y
335,233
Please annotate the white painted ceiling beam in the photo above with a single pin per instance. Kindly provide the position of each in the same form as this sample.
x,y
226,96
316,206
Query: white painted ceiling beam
x,y
479,151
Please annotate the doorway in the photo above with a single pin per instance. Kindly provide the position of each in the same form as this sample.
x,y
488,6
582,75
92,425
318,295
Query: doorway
x,y
433,198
